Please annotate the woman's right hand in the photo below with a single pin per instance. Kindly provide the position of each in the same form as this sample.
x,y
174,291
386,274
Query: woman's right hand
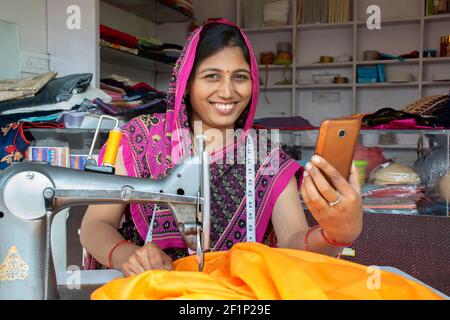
x,y
148,257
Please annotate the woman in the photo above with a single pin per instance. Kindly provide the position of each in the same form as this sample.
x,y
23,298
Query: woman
x,y
215,83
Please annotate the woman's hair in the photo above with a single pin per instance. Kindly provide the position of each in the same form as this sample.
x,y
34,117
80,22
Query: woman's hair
x,y
213,38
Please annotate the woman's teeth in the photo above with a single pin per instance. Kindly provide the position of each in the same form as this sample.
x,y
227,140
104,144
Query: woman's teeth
x,y
224,107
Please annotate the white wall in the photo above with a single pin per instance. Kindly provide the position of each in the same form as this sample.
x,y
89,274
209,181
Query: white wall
x,y
73,50
31,17
205,9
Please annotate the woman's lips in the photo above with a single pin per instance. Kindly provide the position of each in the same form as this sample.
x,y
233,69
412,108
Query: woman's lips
x,y
224,108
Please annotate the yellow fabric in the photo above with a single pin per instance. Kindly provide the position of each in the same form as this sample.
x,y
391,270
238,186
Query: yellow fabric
x,y
255,271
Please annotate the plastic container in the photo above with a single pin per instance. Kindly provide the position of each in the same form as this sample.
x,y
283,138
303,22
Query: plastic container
x,y
73,119
361,165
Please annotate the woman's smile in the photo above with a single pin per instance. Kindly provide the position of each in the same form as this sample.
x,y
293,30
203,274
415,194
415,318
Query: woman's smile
x,y
224,108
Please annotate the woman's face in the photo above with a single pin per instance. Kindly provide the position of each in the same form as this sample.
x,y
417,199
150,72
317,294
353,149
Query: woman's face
x,y
221,88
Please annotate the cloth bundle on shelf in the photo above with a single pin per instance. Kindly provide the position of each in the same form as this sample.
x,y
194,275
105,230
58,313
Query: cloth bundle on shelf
x,y
145,46
46,108
392,199
54,91
24,88
130,99
184,6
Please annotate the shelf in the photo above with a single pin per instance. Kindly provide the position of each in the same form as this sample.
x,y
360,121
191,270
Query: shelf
x,y
387,85
437,17
66,130
130,60
325,86
436,83
393,61
359,85
371,131
277,87
400,21
152,10
314,26
436,60
268,29
77,139
324,65
273,67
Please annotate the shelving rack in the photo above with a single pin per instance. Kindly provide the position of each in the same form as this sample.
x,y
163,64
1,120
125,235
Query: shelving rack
x,y
420,83
155,11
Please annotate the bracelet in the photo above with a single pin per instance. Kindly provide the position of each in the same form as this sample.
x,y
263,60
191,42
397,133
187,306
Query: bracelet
x,y
333,243
307,235
110,264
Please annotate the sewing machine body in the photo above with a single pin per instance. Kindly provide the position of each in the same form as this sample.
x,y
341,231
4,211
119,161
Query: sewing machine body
x,y
24,235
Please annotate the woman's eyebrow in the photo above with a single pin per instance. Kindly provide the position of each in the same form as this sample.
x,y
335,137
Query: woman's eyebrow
x,y
220,70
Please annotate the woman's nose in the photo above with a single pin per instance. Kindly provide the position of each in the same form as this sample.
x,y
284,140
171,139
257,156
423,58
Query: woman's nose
x,y
226,89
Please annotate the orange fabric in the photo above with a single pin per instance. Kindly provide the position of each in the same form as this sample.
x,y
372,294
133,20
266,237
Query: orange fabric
x,y
255,271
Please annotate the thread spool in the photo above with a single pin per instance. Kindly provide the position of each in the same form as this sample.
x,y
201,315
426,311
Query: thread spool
x,y
112,147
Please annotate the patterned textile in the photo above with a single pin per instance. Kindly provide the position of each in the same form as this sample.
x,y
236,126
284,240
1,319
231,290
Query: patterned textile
x,y
427,105
24,88
153,144
13,144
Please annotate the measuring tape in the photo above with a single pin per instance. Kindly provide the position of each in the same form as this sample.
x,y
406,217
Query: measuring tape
x,y
149,237
250,188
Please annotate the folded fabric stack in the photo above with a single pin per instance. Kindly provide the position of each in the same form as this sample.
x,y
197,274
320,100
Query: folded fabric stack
x,y
149,47
130,99
39,102
116,39
392,199
184,6
394,188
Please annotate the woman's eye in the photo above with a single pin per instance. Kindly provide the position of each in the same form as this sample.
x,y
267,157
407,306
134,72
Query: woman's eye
x,y
241,77
212,76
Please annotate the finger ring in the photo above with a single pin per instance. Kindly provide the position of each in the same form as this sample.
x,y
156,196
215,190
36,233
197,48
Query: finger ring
x,y
332,204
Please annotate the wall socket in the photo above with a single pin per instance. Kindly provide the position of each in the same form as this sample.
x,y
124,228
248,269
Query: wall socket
x,y
33,62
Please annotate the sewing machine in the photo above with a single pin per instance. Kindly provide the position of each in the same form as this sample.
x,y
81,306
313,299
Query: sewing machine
x,y
32,193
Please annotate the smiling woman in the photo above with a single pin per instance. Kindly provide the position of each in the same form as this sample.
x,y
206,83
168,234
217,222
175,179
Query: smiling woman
x,y
220,84
214,91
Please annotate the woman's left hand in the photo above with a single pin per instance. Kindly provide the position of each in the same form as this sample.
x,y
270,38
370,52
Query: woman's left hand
x,y
341,222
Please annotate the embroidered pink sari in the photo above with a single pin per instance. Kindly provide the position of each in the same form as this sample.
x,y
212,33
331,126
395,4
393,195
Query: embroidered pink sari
x,y
153,144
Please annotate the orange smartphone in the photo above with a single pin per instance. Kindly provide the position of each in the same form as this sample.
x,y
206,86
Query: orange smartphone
x,y
337,143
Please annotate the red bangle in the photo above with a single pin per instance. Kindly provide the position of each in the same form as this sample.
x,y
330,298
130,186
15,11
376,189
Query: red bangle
x,y
307,235
333,243
110,264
